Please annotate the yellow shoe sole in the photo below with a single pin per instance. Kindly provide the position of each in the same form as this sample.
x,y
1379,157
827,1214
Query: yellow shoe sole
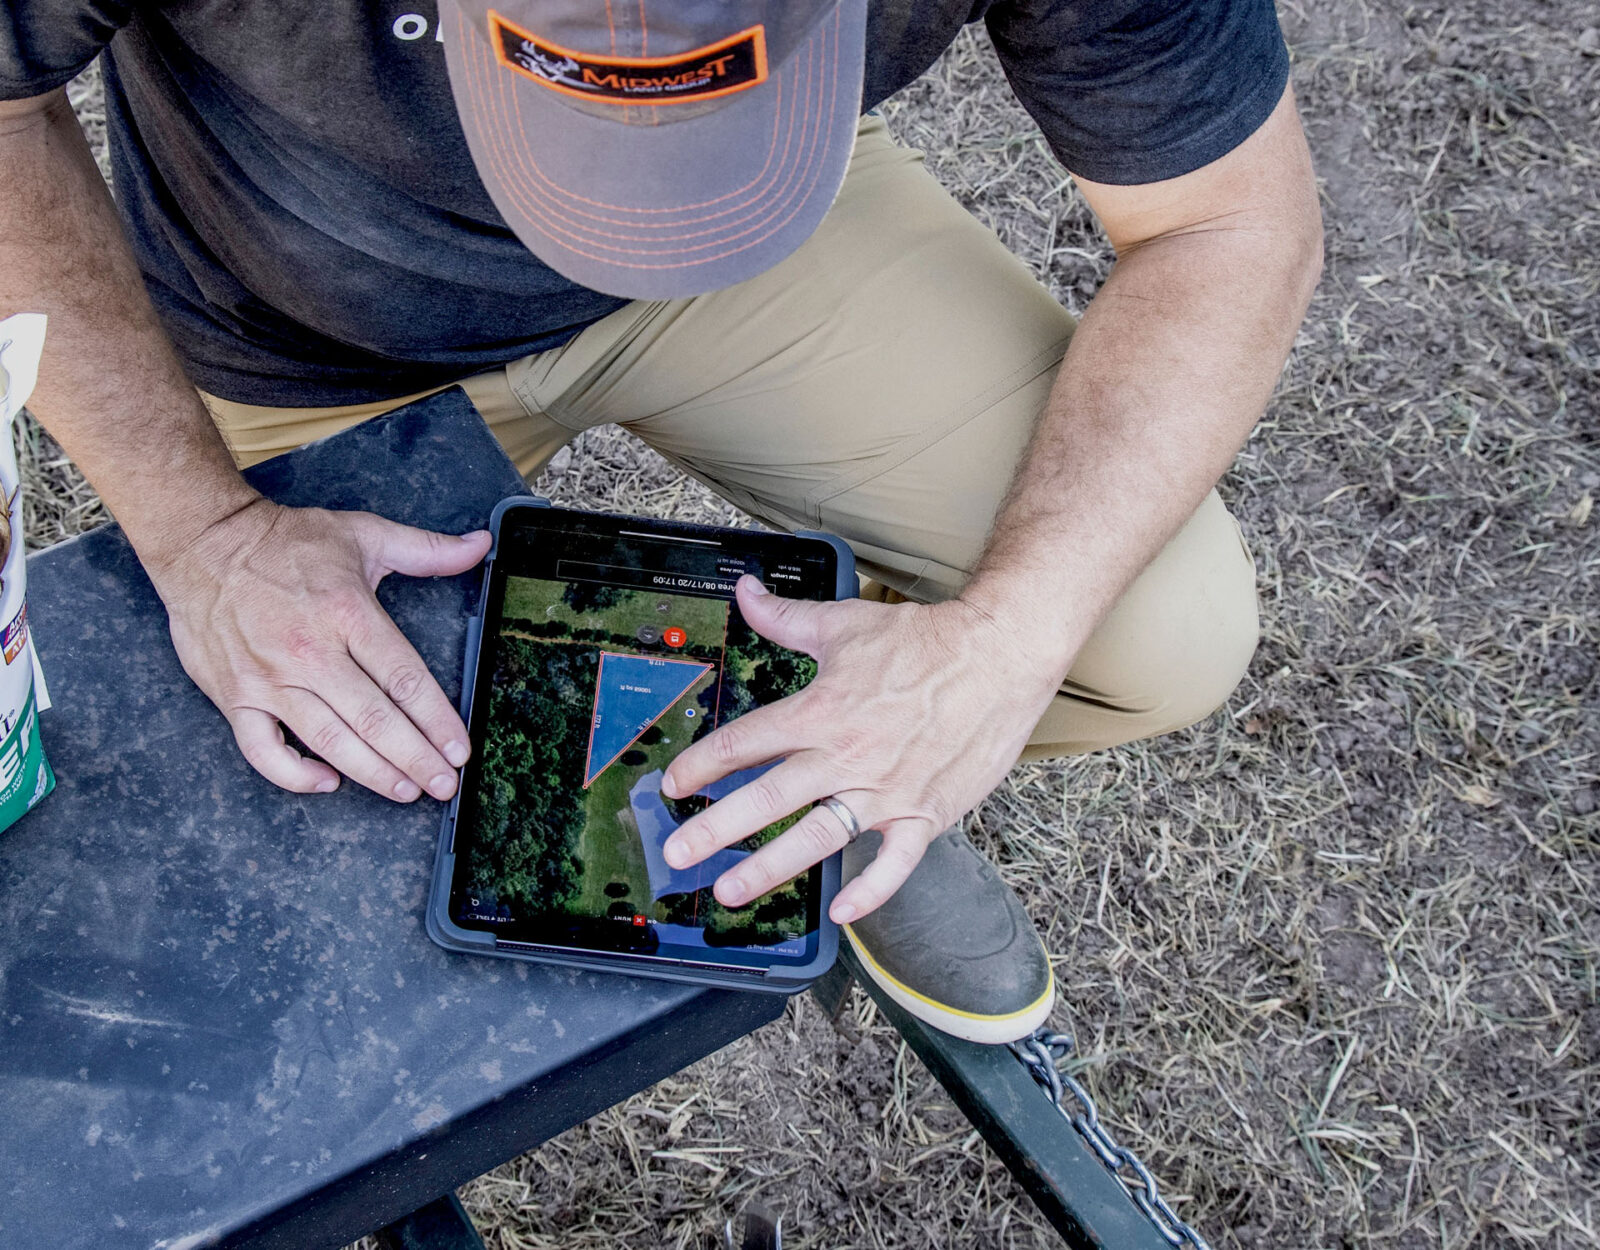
x,y
967,1025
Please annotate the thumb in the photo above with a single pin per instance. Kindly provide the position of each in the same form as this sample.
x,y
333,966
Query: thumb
x,y
396,548
793,623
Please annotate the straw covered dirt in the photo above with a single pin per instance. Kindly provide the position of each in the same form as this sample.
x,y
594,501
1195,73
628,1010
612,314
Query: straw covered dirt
x,y
1330,956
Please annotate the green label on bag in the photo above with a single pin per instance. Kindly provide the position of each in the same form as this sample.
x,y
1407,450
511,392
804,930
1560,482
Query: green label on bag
x,y
25,775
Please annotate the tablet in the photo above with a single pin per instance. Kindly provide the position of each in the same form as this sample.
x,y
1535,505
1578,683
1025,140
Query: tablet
x,y
602,647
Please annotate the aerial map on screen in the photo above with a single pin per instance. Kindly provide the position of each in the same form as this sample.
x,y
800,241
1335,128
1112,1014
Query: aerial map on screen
x,y
595,688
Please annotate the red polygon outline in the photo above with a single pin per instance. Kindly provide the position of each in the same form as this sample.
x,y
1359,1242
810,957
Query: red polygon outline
x,y
591,778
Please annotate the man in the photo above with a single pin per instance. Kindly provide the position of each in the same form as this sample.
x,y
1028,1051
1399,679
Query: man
x,y
664,213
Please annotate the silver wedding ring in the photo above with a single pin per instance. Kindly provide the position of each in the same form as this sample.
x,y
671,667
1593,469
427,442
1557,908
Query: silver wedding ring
x,y
847,818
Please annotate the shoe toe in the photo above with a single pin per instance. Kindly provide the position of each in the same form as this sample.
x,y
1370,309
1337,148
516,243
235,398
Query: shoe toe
x,y
955,947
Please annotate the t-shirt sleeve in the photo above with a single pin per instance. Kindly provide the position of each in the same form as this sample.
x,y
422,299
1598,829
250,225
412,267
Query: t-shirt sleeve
x,y
1134,91
46,43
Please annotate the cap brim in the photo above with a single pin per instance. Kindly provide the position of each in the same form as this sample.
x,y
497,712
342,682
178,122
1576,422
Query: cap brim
x,y
674,209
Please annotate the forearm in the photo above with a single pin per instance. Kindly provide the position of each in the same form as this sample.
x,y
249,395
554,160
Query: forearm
x,y
111,389
1166,375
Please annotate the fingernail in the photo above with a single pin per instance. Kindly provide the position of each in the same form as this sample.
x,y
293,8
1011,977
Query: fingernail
x,y
474,536
758,587
442,786
843,913
676,854
327,785
407,790
456,752
669,787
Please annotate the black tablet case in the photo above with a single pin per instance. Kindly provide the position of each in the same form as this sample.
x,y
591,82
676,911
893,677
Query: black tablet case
x,y
452,936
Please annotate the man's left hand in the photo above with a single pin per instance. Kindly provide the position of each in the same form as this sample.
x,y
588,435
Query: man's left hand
x,y
916,713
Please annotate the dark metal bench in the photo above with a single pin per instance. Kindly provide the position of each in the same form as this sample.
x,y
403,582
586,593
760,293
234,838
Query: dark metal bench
x,y
220,1018
221,1021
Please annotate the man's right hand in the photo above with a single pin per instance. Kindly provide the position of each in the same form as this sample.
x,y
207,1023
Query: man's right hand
x,y
274,615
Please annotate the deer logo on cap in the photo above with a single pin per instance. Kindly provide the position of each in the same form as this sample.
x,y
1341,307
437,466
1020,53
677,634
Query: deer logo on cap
x,y
537,61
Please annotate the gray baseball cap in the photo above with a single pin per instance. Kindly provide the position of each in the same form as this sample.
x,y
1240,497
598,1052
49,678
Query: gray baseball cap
x,y
655,149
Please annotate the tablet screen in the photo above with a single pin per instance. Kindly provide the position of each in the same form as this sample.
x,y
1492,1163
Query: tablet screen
x,y
606,652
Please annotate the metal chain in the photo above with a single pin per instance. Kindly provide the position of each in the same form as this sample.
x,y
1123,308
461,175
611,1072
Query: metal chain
x,y
1040,1054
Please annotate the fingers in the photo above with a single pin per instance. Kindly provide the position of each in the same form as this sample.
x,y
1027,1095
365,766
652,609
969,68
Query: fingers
x,y
394,706
794,623
779,791
332,737
904,843
770,732
260,740
288,629
757,737
817,835
355,726
399,672
386,730
420,553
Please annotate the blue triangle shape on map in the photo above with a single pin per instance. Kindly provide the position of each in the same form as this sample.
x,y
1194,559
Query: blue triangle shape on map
x,y
631,693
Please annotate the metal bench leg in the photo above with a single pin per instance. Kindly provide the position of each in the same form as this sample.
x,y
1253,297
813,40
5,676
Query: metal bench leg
x,y
832,989
441,1225
1072,1189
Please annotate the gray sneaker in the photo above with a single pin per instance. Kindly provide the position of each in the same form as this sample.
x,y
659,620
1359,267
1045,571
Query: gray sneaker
x,y
953,946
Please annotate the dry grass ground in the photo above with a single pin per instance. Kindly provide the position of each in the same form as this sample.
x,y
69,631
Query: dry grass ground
x,y
1331,956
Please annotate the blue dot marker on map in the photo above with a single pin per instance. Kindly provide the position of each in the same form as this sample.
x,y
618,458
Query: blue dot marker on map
x,y
631,693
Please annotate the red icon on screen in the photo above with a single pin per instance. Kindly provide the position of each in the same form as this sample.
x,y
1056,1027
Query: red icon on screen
x,y
674,637
639,922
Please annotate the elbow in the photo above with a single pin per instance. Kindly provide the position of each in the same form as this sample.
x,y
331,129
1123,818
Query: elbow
x,y
1287,263
1284,264
1311,255
1304,247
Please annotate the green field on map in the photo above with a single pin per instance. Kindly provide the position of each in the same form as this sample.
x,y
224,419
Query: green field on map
x,y
612,615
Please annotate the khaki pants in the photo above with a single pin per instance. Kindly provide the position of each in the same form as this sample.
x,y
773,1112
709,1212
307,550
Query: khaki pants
x,y
880,384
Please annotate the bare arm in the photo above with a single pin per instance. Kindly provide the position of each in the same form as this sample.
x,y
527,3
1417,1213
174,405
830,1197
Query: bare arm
x,y
272,609
110,388
1167,373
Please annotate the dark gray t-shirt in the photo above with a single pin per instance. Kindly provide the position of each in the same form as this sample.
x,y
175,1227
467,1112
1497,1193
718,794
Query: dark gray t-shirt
x,y
296,186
